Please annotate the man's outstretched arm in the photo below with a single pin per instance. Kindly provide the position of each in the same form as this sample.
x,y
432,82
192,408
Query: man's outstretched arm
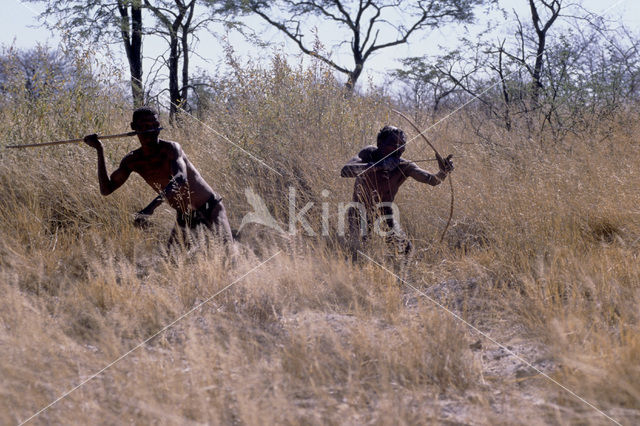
x,y
411,169
118,177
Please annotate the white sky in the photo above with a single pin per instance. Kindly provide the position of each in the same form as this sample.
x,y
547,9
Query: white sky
x,y
21,29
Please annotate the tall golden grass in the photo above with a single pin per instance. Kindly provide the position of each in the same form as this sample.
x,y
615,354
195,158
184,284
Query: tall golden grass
x,y
542,256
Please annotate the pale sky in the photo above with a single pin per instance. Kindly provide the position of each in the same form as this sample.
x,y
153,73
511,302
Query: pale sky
x,y
22,30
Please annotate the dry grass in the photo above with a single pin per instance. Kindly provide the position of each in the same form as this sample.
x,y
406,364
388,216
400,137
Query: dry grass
x,y
542,255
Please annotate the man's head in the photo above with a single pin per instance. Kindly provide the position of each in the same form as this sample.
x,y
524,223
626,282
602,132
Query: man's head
x,y
144,119
391,141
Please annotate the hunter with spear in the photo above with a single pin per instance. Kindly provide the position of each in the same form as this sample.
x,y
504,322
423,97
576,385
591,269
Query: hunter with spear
x,y
165,167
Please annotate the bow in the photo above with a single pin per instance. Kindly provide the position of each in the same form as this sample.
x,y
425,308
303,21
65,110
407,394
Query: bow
x,y
440,161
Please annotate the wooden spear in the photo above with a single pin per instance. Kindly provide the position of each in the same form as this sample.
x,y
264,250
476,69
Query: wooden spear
x,y
120,135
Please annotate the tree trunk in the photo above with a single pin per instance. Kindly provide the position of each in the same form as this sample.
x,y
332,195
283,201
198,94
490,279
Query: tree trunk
x,y
505,91
537,68
135,63
553,7
174,87
131,31
353,76
185,71
185,54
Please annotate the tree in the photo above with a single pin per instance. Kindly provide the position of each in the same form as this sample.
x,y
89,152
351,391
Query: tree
x,y
178,23
121,21
482,64
36,72
365,22
172,27
48,93
117,21
434,79
551,11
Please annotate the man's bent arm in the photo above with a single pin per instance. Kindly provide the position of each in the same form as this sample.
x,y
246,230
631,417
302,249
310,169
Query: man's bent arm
x,y
118,177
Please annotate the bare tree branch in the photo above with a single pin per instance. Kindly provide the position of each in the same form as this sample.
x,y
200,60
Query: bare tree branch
x,y
363,20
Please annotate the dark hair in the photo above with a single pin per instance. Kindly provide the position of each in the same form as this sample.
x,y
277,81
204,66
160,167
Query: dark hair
x,y
389,133
143,111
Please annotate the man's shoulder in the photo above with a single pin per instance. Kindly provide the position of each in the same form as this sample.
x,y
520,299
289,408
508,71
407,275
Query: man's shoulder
x,y
368,153
131,157
169,145
171,149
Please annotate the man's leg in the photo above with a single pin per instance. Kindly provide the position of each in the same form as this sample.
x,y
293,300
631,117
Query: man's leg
x,y
398,242
404,252
358,230
220,223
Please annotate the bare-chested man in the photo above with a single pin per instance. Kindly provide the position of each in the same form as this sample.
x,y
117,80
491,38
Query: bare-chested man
x,y
165,167
379,173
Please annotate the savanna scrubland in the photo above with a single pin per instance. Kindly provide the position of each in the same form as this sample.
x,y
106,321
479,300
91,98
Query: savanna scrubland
x,y
542,255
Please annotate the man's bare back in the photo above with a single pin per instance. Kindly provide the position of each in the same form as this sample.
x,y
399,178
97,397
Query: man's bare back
x,y
165,167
